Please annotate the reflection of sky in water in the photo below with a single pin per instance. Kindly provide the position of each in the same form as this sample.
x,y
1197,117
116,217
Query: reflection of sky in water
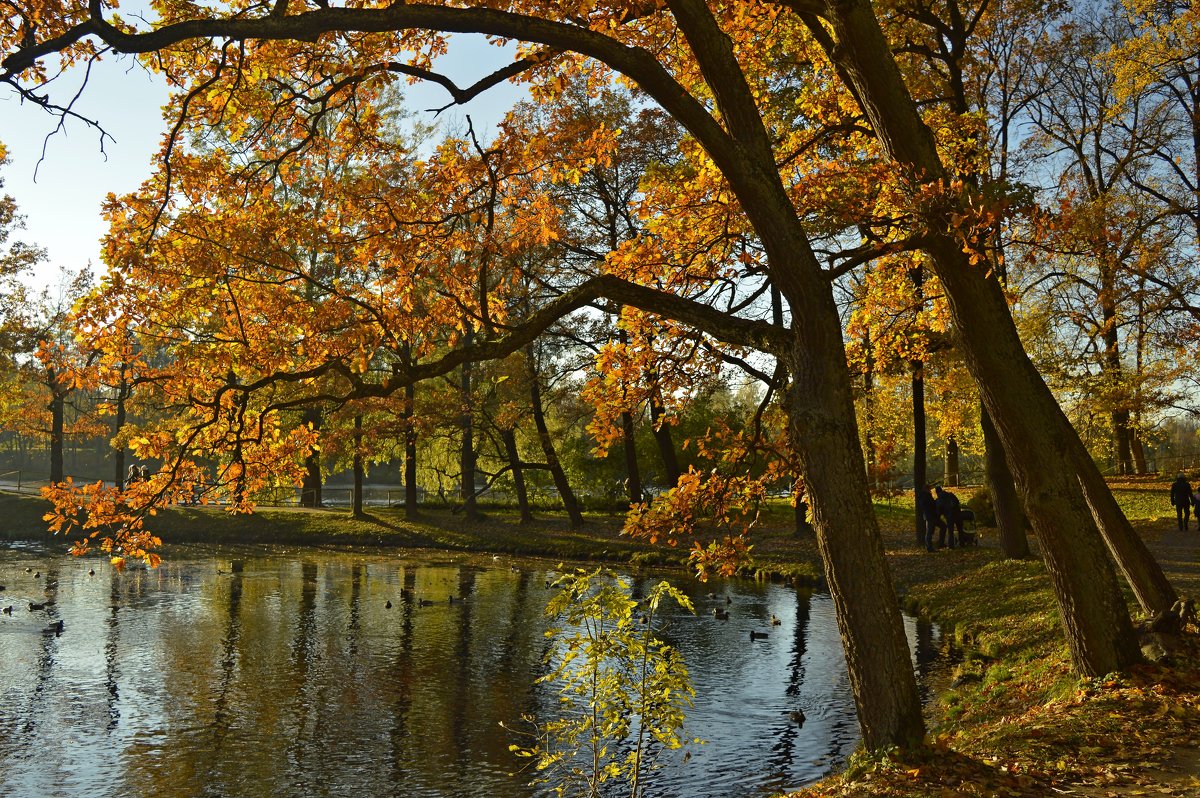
x,y
285,674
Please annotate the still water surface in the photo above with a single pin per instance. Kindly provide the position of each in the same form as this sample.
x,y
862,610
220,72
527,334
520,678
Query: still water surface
x,y
274,672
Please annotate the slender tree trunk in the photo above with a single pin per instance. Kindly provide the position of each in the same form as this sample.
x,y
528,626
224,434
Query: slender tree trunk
x,y
359,470
411,510
466,452
950,478
543,432
509,436
310,487
1035,433
666,446
1010,518
1122,442
920,445
118,425
633,474
58,410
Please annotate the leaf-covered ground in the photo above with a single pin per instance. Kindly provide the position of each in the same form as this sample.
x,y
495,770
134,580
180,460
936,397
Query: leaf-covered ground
x,y
1015,721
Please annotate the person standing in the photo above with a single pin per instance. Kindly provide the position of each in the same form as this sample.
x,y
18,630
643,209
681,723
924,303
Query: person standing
x,y
949,507
928,509
1181,498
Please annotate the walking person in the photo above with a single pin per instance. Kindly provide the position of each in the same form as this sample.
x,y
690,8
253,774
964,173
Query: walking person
x,y
1181,499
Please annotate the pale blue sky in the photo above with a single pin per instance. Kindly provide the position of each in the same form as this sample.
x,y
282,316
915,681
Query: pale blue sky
x,y
62,206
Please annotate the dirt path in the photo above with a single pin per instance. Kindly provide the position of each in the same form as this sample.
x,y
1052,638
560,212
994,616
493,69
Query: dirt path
x,y
1178,552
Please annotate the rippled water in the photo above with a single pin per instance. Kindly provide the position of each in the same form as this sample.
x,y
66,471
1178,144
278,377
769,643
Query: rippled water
x,y
273,672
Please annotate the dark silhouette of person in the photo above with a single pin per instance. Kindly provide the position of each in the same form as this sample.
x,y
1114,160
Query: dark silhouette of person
x,y
928,510
950,509
133,475
1181,499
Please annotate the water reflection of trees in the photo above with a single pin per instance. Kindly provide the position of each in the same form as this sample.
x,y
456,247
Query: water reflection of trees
x,y
281,677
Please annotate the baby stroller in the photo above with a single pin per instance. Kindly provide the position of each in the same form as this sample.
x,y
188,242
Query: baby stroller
x,y
968,535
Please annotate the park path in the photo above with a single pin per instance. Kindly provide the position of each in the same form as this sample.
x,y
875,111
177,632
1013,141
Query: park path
x,y
1177,552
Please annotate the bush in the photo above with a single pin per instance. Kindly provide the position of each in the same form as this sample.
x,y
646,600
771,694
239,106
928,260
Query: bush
x,y
981,505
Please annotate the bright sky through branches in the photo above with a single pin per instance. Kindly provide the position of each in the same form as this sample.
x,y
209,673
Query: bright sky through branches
x,y
61,197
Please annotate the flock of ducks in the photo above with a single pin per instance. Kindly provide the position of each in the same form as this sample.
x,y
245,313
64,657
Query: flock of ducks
x,y
56,627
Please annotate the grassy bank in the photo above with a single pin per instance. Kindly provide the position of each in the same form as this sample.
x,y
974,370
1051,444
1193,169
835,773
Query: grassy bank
x,y
780,554
1016,721
598,540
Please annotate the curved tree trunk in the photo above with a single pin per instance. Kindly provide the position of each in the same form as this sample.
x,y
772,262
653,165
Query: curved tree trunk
x,y
821,421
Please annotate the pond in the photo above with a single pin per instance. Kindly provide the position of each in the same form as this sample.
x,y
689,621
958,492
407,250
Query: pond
x,y
283,672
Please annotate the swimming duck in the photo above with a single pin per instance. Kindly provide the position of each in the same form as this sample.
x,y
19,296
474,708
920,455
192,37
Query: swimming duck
x,y
55,628
775,620
91,572
796,716
758,635
387,604
720,614
425,602
34,607
7,610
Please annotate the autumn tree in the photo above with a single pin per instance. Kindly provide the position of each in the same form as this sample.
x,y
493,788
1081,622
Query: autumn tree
x,y
707,68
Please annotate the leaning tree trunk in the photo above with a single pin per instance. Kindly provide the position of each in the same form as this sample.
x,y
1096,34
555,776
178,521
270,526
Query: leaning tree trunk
x,y
547,443
824,435
1010,518
1036,435
509,437
1139,453
821,420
